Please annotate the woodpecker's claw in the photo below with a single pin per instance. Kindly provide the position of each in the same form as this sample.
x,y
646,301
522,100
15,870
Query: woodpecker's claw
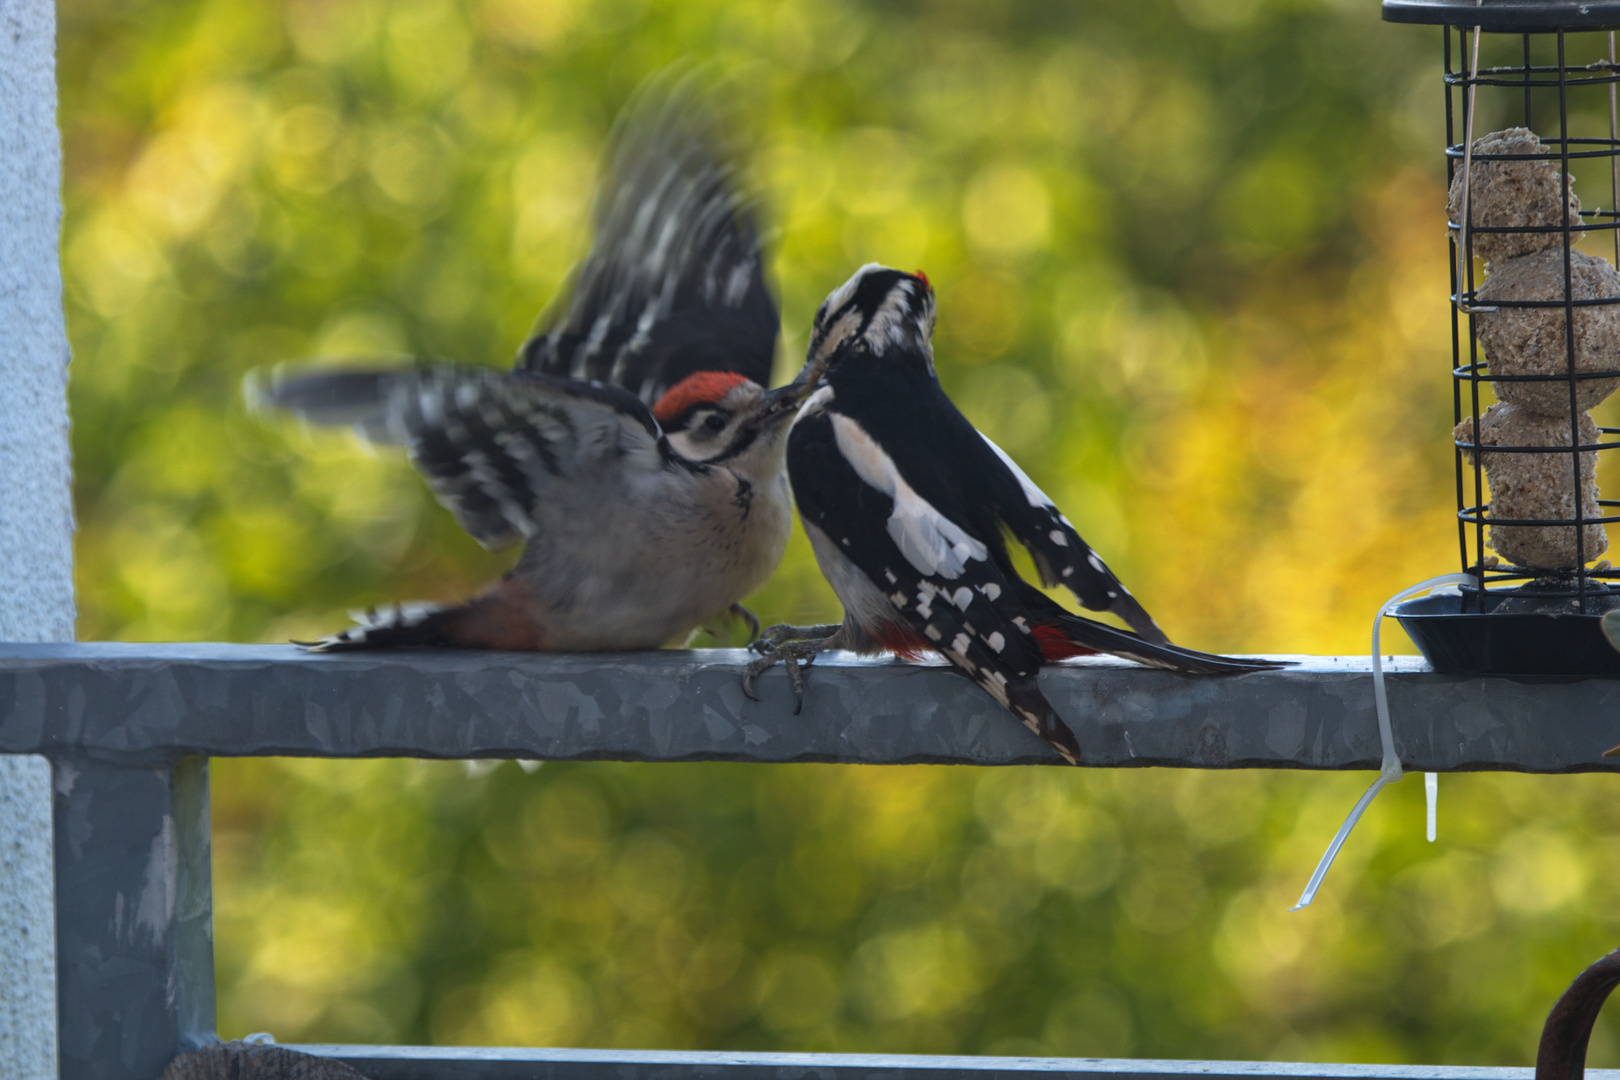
x,y
776,636
750,620
796,647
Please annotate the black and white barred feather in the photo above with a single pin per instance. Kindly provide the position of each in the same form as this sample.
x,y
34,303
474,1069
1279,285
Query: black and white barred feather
x,y
674,282
491,445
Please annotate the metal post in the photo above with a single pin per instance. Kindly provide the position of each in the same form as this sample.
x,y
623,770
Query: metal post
x,y
36,515
135,947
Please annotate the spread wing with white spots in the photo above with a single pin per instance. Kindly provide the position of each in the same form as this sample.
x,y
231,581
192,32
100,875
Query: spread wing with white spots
x,y
490,444
674,282
1061,557
939,580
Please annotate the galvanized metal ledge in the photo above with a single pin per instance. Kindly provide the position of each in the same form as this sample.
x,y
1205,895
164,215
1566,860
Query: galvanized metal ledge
x,y
131,703
477,1063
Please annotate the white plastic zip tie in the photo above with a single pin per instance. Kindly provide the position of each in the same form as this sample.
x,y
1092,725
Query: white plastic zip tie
x,y
1390,770
1431,795
1470,307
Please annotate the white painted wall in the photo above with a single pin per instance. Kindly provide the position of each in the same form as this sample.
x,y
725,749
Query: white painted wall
x,y
36,510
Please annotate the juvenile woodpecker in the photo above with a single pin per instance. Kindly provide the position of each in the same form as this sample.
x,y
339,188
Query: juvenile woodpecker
x,y
905,504
633,448
639,524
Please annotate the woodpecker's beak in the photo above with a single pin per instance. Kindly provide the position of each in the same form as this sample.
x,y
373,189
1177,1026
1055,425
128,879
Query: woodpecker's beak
x,y
784,400
809,377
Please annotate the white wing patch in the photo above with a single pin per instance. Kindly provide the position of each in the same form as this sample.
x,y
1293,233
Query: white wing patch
x,y
815,403
1035,495
929,540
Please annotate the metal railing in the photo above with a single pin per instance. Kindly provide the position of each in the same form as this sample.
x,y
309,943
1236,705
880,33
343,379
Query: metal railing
x,y
129,728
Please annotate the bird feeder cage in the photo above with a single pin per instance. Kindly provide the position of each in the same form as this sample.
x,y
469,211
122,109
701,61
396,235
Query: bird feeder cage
x,y
1530,105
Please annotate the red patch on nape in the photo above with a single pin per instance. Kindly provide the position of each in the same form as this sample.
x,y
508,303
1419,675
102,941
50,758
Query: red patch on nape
x,y
903,641
1055,644
922,277
698,388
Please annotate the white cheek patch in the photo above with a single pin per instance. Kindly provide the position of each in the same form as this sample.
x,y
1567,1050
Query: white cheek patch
x,y
890,324
815,403
929,540
835,335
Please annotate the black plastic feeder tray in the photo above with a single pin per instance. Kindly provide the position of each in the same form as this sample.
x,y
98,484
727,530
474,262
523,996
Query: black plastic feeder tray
x,y
1458,639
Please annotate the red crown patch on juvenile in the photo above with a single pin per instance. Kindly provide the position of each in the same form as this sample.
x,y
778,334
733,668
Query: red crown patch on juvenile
x,y
698,388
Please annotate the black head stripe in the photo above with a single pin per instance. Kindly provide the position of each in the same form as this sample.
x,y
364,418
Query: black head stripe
x,y
874,289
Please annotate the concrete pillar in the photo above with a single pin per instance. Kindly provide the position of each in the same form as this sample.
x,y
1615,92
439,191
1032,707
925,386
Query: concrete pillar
x,y
36,511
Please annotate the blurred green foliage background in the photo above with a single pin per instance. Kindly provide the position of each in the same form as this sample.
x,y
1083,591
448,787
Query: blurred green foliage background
x,y
1191,269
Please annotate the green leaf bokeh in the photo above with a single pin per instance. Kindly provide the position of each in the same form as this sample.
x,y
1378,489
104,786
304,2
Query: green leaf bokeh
x,y
1191,268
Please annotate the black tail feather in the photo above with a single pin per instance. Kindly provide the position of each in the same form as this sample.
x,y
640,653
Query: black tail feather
x,y
1101,637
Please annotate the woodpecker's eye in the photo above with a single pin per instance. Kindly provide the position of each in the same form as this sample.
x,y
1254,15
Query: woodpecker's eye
x,y
715,422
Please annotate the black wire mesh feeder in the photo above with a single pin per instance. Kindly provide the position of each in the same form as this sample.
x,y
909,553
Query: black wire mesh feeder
x,y
1535,339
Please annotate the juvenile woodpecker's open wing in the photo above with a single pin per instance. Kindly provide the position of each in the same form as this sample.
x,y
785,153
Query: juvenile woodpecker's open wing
x,y
1061,557
674,282
937,578
490,444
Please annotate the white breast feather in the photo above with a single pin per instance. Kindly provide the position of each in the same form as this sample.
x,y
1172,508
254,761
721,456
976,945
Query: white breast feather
x,y
929,540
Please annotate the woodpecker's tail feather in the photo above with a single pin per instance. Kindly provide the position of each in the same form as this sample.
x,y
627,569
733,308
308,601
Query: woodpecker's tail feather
x,y
393,627
1073,635
1027,703
500,619
1023,698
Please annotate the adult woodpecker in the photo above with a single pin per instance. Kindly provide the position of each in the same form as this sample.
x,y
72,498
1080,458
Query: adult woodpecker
x,y
905,504
650,506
